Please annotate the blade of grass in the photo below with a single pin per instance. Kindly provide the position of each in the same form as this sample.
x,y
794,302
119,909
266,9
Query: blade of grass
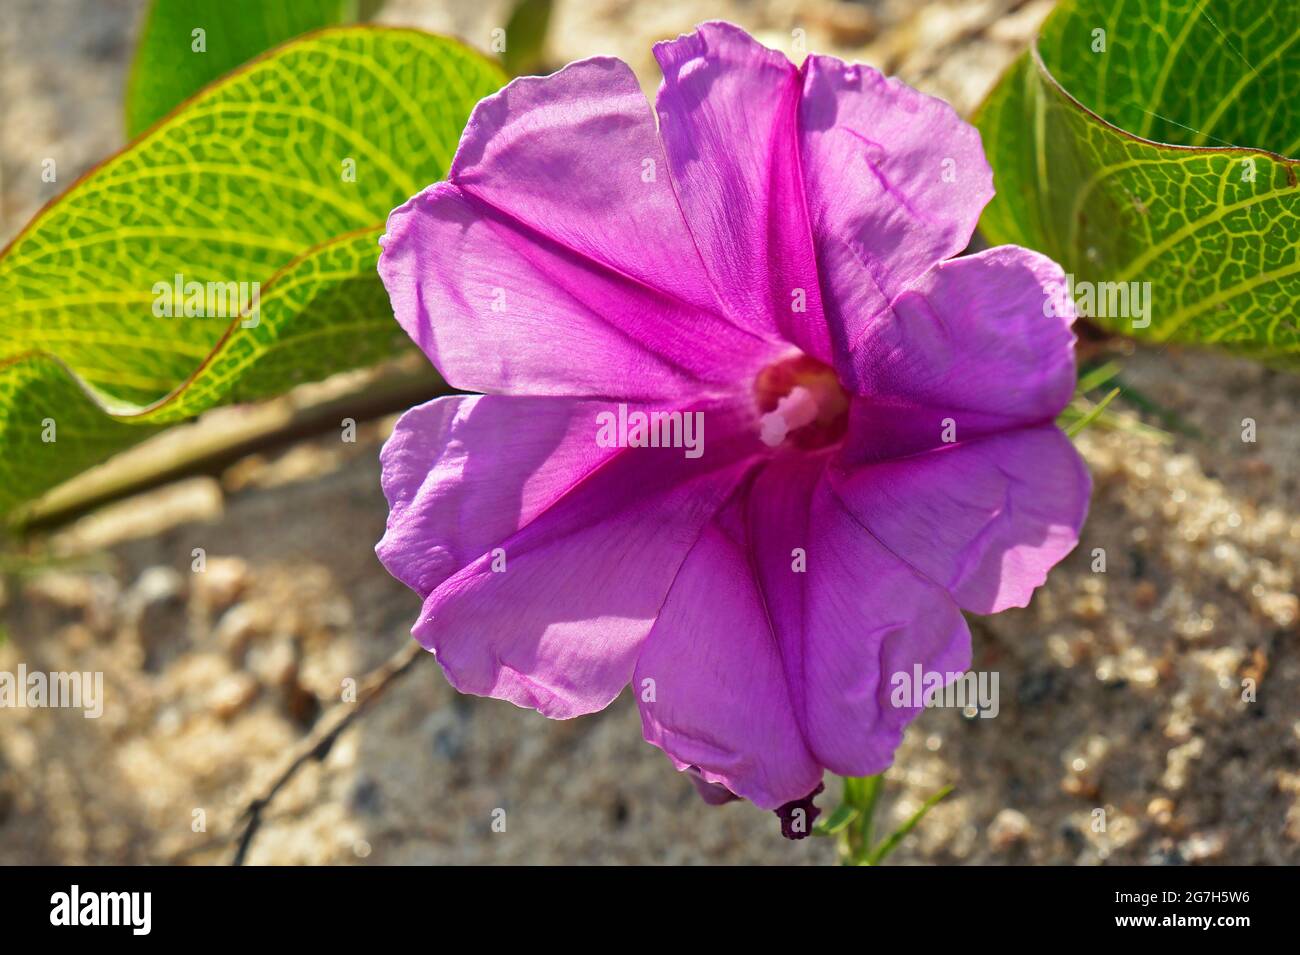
x,y
1096,377
880,852
1092,415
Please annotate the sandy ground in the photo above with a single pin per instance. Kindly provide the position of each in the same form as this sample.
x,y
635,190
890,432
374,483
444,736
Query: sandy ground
x,y
1120,691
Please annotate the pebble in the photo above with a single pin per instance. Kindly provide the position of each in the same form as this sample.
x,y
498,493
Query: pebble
x,y
1201,846
1009,827
154,611
274,664
222,583
238,626
1089,608
1161,810
1145,595
232,695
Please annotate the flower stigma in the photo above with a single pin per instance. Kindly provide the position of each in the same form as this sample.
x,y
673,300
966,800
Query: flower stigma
x,y
802,401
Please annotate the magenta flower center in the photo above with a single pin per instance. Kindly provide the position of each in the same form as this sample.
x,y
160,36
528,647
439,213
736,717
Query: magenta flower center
x,y
802,402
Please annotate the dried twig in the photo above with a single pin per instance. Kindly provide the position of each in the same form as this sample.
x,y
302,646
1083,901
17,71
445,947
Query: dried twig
x,y
317,744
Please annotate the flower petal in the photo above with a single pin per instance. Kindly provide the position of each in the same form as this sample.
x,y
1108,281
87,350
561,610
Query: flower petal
x,y
463,473
554,260
728,111
850,619
967,348
895,181
710,683
554,619
986,519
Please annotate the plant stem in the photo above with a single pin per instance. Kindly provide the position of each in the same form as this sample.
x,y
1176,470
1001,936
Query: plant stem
x,y
199,448
862,793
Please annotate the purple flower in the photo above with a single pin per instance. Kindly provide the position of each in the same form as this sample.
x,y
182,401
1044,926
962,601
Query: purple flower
x,y
863,442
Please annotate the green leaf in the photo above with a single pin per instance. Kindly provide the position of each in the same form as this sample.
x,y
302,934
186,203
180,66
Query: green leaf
x,y
249,182
526,36
837,821
173,61
1160,159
